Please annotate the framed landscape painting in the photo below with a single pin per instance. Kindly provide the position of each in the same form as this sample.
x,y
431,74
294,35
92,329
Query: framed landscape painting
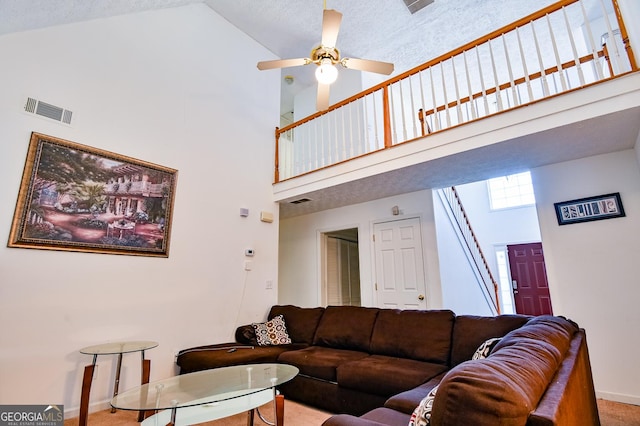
x,y
77,198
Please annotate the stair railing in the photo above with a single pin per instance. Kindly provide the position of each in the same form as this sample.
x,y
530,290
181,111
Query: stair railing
x,y
482,269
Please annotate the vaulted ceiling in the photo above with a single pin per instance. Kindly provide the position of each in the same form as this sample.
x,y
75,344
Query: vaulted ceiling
x,y
372,29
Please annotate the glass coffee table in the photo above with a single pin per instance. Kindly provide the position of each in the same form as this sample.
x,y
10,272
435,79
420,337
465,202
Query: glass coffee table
x,y
210,394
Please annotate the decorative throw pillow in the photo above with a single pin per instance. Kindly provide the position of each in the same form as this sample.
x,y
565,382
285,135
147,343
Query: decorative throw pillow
x,y
422,414
272,332
484,350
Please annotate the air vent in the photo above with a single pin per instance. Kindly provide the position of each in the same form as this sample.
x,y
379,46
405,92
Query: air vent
x,y
300,201
416,5
48,110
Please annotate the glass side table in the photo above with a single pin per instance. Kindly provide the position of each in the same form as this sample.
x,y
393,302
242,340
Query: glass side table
x,y
114,348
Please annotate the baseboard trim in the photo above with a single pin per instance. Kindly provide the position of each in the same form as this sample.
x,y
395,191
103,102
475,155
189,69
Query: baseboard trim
x,y
96,406
618,397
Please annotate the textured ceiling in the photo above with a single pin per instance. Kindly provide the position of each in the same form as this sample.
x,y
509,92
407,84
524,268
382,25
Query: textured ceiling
x,y
371,29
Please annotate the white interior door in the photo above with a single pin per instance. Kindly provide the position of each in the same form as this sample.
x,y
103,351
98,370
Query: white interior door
x,y
400,281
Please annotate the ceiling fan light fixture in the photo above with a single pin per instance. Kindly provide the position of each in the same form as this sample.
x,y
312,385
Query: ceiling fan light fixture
x,y
326,73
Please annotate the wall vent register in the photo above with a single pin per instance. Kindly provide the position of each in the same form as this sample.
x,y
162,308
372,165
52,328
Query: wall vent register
x,y
416,5
47,110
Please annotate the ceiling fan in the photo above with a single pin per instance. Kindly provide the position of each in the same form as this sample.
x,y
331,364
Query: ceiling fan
x,y
326,56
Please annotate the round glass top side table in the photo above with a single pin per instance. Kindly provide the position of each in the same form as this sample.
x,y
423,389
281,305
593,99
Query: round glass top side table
x,y
112,348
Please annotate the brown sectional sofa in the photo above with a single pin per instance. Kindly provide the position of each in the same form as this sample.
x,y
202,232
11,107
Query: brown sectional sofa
x,y
380,363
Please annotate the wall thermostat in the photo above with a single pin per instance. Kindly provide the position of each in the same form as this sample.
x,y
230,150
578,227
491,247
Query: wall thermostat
x,y
249,252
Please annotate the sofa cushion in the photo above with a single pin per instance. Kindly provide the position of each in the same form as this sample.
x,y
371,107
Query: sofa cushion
x,y
516,375
387,417
272,332
470,331
301,322
320,362
419,335
407,401
386,376
376,417
346,327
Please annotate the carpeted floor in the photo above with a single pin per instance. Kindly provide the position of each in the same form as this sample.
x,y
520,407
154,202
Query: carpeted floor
x,y
616,414
295,414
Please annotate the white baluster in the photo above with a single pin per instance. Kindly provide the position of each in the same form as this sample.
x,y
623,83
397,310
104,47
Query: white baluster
x,y
444,91
495,78
574,50
524,66
543,77
514,92
457,90
563,81
469,87
482,85
436,118
592,44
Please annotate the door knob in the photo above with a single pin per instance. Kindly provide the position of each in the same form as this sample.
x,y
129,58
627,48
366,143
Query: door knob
x,y
421,297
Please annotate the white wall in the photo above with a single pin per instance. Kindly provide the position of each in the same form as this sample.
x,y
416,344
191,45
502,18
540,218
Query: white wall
x,y
593,267
497,227
176,87
630,10
461,291
299,279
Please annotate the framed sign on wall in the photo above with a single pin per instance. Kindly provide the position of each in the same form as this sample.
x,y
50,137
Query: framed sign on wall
x,y
589,209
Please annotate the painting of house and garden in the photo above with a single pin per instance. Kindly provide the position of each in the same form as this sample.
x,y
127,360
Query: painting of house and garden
x,y
74,197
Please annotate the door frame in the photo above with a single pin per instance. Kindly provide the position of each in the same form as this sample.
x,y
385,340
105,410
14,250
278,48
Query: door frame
x,y
322,261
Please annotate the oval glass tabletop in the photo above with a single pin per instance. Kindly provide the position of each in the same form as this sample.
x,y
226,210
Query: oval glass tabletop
x,y
118,347
204,387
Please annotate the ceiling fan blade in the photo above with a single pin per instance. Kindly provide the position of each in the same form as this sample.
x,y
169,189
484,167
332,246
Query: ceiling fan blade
x,y
367,65
283,63
331,20
322,99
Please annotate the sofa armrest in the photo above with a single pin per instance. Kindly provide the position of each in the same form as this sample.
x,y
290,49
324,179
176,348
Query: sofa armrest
x,y
246,335
228,354
570,398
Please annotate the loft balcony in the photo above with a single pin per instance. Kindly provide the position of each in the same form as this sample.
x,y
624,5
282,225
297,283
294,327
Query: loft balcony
x,y
556,85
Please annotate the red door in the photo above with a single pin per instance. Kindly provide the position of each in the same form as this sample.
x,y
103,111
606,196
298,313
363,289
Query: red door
x,y
529,279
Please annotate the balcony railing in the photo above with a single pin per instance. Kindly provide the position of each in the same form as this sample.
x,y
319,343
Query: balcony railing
x,y
560,48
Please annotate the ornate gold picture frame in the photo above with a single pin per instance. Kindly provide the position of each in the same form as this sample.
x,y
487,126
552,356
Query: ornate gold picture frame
x,y
77,198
